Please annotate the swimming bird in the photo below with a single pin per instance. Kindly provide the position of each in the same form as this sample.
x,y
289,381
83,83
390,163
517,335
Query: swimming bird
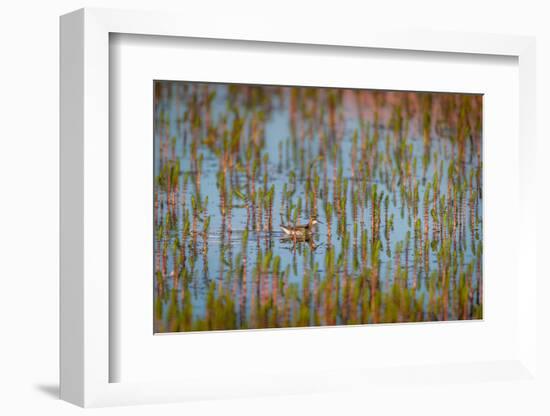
x,y
301,230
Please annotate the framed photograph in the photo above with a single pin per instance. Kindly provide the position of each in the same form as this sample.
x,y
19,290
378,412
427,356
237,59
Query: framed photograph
x,y
279,214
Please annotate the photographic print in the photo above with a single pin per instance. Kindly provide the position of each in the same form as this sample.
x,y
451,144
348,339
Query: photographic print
x,y
289,206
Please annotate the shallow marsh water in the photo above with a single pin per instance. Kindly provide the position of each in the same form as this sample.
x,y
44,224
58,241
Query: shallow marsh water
x,y
394,177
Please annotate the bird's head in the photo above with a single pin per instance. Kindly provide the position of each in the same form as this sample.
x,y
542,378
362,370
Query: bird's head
x,y
314,220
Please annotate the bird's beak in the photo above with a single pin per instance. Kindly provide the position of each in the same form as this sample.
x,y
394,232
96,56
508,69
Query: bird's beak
x,y
319,222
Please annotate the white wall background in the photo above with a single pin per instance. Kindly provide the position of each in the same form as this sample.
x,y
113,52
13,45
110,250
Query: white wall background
x,y
29,193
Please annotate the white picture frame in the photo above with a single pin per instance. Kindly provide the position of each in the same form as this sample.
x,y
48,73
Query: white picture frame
x,y
85,220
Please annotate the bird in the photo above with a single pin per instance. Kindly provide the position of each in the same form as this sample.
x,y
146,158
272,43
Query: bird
x,y
301,230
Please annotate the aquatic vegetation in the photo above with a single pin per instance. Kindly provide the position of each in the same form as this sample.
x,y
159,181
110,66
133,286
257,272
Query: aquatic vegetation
x,y
395,179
